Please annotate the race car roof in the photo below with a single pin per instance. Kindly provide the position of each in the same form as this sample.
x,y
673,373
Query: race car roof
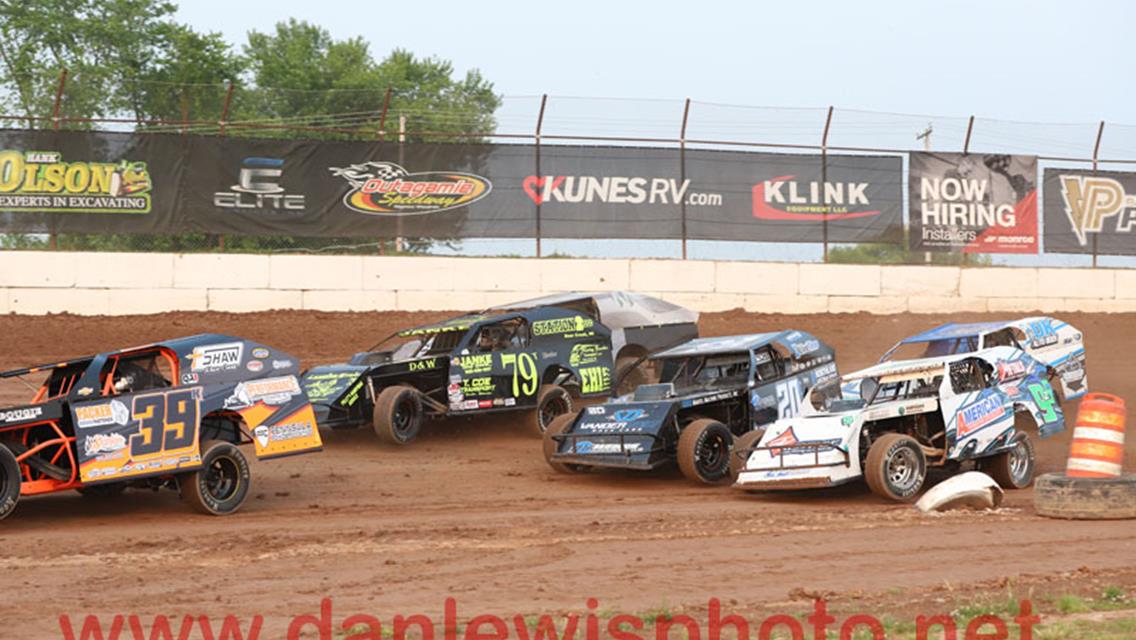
x,y
798,343
618,309
955,330
180,346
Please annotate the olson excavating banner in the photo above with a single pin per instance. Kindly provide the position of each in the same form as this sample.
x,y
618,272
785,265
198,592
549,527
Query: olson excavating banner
x,y
1090,212
973,203
102,182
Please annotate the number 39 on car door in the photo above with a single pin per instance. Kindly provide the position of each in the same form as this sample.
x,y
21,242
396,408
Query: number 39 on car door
x,y
141,434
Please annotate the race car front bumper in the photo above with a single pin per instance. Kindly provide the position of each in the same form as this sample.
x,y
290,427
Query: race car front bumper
x,y
638,451
829,466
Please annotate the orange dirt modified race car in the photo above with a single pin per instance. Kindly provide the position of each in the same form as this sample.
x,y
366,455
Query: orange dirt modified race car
x,y
169,414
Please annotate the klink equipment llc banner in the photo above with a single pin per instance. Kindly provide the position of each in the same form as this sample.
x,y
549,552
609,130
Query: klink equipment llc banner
x,y
973,203
1090,212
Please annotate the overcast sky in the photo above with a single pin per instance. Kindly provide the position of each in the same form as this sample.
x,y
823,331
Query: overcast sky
x,y
1035,61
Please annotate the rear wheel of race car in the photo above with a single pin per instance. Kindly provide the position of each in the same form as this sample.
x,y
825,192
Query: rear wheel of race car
x,y
629,374
552,402
222,483
704,451
9,482
559,426
746,441
398,414
895,467
1013,469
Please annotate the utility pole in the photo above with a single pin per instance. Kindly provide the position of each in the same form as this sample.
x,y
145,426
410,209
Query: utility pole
x,y
926,138
399,242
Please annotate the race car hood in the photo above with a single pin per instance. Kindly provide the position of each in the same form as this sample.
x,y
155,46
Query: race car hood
x,y
618,434
336,384
806,451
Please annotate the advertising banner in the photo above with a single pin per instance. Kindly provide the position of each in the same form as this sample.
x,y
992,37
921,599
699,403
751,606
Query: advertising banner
x,y
83,182
89,182
1086,209
973,203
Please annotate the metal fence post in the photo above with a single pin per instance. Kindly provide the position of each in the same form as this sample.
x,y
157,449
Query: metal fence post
x,y
539,126
824,175
682,168
383,115
225,110
53,239
1096,155
969,130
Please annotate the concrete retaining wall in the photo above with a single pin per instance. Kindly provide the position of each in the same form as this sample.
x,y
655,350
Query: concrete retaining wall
x,y
132,283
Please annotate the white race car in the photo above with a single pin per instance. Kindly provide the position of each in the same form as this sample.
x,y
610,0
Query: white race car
x,y
1052,342
949,412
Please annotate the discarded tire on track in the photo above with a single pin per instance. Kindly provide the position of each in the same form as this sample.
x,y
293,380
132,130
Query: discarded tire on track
x,y
1057,495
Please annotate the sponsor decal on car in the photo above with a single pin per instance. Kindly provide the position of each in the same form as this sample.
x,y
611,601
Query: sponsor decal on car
x,y
595,379
1011,369
387,189
217,357
586,353
573,325
102,443
474,364
320,387
270,391
282,364
255,366
589,447
981,414
260,352
21,415
424,365
267,434
258,190
482,386
41,181
629,415
102,415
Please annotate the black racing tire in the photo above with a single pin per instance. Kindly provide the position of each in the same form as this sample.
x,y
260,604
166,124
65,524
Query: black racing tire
x,y
704,451
552,402
397,418
895,468
102,491
559,426
9,482
1056,495
222,483
1013,469
747,440
628,376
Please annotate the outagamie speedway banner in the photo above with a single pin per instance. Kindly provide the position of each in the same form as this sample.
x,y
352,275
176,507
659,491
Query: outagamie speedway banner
x,y
101,182
973,203
1085,207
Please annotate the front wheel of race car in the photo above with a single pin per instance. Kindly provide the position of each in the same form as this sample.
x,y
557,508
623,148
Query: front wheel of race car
x,y
398,414
738,462
704,451
9,482
895,467
1014,468
222,483
559,426
552,402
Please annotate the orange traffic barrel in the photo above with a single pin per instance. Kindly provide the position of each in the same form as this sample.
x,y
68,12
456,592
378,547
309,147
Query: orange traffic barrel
x,y
1098,439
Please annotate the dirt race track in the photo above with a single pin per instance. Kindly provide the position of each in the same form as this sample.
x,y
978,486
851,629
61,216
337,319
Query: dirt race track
x,y
472,511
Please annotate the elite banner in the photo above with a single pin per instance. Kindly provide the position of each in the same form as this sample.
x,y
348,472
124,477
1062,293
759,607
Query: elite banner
x,y
1087,211
100,182
973,203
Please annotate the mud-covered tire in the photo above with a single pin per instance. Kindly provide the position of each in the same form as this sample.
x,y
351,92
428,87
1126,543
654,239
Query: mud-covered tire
x,y
704,451
1056,495
895,467
552,402
9,482
559,426
397,417
1013,469
747,440
222,483
628,376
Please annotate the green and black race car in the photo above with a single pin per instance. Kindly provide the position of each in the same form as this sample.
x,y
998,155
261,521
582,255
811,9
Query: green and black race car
x,y
534,356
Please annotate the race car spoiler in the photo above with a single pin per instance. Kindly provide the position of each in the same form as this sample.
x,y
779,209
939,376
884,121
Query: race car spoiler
x,y
15,373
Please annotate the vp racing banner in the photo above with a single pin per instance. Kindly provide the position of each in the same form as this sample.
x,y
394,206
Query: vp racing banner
x,y
973,203
1087,212
109,182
